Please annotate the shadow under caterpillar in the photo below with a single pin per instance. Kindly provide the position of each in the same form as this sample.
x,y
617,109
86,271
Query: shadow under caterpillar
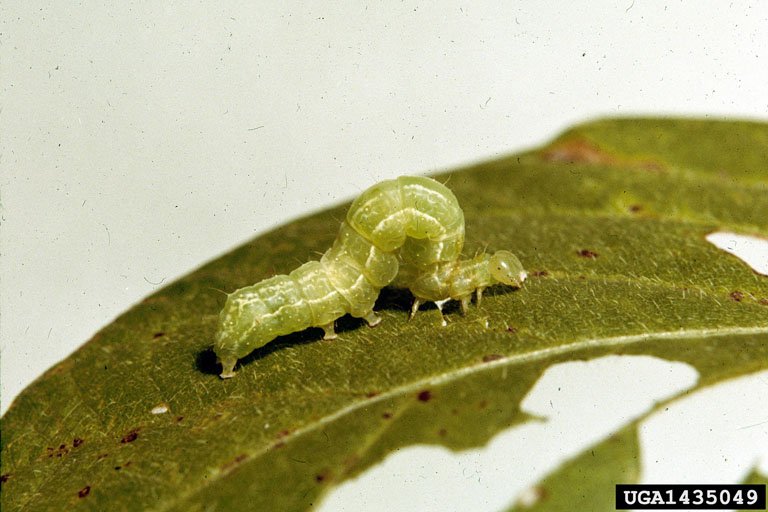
x,y
408,232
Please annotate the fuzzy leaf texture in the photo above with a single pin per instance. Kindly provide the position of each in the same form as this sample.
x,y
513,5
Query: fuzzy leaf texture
x,y
609,220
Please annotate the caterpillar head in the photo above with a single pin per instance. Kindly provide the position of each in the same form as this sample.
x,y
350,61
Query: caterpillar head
x,y
507,269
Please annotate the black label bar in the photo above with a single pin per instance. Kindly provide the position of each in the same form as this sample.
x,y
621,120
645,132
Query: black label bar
x,y
690,496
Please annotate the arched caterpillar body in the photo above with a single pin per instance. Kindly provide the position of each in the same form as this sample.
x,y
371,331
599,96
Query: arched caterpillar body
x,y
409,231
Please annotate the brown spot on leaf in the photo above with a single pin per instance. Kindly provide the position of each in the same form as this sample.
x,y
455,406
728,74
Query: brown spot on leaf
x,y
158,335
425,396
511,330
57,452
577,151
386,415
482,404
130,436
323,476
442,432
350,462
763,301
179,418
539,273
583,151
85,491
371,394
4,478
284,433
586,253
229,466
60,368
492,357
76,442
650,165
635,208
102,456
737,296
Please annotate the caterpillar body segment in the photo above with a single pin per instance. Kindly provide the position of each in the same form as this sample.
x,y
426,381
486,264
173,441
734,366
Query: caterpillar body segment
x,y
353,251
254,315
457,280
418,216
408,232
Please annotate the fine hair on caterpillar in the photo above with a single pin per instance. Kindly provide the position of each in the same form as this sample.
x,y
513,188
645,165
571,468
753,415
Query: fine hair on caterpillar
x,y
407,232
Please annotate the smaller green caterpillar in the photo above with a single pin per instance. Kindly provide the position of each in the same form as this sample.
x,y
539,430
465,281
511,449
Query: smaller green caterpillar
x,y
408,232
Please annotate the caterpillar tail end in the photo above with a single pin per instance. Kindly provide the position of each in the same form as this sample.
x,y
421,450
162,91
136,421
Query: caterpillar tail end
x,y
228,367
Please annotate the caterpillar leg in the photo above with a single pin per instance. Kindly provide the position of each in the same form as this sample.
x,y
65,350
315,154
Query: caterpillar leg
x,y
414,308
465,303
373,319
227,367
439,304
480,295
330,331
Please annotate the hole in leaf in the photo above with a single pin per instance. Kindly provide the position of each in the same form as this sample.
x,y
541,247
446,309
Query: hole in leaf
x,y
750,249
435,478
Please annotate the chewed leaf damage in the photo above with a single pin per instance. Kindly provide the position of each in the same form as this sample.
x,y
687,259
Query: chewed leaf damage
x,y
750,249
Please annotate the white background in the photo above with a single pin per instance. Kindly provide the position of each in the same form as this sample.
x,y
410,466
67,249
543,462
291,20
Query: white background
x,y
139,140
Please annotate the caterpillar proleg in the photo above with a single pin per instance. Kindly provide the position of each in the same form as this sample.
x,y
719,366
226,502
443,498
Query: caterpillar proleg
x,y
408,232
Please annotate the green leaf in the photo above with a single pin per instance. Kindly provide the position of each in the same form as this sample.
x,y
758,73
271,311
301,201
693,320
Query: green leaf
x,y
756,478
588,482
610,221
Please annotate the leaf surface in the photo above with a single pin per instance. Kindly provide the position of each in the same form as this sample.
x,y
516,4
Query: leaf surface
x,y
609,219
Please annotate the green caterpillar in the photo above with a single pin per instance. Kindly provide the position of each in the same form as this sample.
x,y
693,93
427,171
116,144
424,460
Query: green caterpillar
x,y
408,232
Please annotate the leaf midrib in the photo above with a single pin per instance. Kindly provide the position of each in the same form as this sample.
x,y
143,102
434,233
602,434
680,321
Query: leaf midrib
x,y
455,374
